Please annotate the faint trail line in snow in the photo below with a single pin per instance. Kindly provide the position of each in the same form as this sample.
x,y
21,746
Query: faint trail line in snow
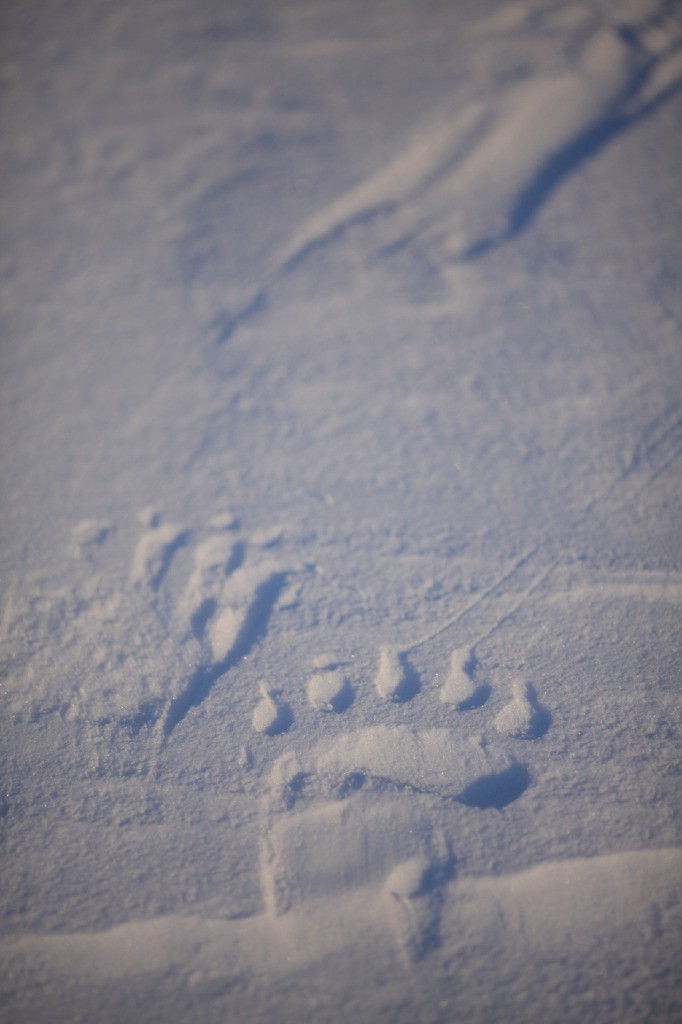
x,y
652,442
507,575
668,312
658,431
657,472
651,445
474,178
526,594
670,592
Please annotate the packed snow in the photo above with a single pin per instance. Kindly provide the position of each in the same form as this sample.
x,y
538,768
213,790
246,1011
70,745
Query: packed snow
x,y
341,564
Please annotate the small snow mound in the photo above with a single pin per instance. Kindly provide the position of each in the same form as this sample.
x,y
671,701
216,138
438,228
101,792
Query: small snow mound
x,y
88,534
149,517
407,880
268,537
224,521
269,715
430,760
459,687
325,661
224,631
390,677
214,553
518,718
154,552
326,690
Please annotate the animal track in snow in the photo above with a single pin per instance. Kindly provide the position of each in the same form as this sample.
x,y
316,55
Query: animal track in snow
x,y
395,679
522,718
355,814
355,811
361,843
228,605
144,650
328,687
154,553
271,716
460,687
475,173
224,609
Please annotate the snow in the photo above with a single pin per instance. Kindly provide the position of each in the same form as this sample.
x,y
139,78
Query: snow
x,y
341,564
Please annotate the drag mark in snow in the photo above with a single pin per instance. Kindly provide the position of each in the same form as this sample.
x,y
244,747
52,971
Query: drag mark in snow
x,y
191,597
154,553
237,628
479,172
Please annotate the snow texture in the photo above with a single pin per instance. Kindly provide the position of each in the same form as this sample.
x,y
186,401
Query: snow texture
x,y
341,564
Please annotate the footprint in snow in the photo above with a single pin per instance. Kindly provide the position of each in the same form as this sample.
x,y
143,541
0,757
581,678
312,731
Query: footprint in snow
x,y
352,814
147,646
475,173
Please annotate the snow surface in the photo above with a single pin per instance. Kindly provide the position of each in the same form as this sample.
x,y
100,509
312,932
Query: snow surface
x,y
341,564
